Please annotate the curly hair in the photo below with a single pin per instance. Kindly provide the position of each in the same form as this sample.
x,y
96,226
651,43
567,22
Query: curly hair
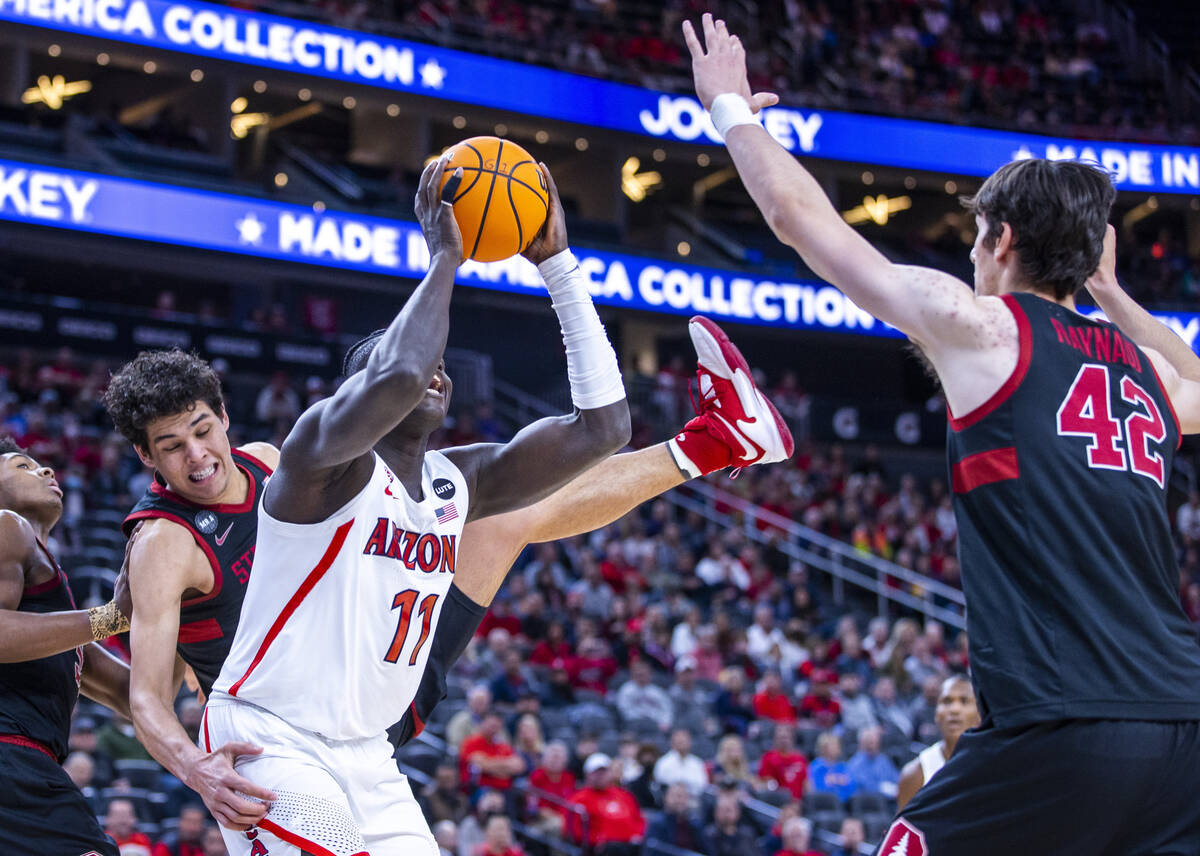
x,y
8,446
158,384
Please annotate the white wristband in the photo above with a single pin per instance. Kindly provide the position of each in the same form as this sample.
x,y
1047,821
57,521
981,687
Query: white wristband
x,y
730,109
591,362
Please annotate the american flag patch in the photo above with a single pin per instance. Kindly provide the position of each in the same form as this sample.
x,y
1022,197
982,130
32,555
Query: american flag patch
x,y
446,513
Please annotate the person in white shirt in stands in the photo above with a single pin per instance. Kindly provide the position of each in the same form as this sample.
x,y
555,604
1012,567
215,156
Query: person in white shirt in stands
x,y
680,765
763,634
640,698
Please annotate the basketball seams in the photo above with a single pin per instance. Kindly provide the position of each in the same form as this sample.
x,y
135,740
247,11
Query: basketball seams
x,y
542,195
473,205
487,202
463,191
512,203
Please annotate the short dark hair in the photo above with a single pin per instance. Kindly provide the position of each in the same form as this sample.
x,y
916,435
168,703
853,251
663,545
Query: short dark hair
x,y
1058,212
157,384
360,352
8,446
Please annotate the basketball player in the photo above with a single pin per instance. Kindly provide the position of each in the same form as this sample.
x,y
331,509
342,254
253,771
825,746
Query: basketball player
x,y
168,405
608,491
956,712
1062,432
189,566
46,661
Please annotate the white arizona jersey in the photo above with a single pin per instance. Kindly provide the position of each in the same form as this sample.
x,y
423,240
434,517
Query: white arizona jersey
x,y
338,617
932,759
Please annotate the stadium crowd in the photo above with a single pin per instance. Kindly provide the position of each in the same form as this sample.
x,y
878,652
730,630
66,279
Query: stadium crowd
x,y
1027,64
659,680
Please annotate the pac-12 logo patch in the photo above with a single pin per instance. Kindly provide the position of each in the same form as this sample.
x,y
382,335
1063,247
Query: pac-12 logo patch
x,y
904,839
206,522
443,488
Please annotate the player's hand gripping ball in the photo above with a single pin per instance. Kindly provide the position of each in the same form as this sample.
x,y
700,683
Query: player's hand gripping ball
x,y
502,202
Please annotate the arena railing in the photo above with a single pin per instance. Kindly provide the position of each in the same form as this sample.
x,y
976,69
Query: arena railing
x,y
837,559
842,562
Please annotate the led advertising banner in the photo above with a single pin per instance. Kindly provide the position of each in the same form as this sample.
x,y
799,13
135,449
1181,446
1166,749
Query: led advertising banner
x,y
270,41
168,214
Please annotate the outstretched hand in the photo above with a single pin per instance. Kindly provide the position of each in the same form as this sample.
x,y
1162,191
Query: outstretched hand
x,y
552,239
435,211
719,65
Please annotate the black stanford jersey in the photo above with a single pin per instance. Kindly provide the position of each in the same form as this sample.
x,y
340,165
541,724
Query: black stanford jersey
x,y
37,696
226,534
1067,558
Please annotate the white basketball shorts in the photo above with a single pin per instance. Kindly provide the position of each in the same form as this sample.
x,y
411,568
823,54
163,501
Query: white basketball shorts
x,y
335,797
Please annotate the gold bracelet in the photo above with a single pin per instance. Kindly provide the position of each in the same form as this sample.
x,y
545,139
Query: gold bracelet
x,y
107,620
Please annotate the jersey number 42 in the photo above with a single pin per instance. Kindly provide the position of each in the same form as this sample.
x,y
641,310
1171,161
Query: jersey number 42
x,y
1115,445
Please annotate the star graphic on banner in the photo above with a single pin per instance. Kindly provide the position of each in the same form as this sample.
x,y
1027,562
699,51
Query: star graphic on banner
x,y
1022,153
432,74
250,229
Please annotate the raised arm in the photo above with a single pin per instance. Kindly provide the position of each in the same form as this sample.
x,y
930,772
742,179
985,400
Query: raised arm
x,y
165,563
345,427
547,454
1134,321
31,636
927,305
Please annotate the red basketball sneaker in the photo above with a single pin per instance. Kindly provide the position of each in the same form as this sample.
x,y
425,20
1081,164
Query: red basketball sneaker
x,y
735,425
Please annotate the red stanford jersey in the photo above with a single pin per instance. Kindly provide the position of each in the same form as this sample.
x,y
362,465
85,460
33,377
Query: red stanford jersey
x,y
1067,559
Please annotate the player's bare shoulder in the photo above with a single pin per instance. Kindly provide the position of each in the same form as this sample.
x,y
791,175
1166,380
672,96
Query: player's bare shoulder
x,y
166,556
264,452
17,538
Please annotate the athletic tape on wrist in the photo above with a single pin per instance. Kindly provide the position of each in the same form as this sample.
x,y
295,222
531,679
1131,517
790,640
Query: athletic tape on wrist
x,y
729,110
591,362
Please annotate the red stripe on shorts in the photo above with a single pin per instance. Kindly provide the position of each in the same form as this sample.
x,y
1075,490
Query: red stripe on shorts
x,y
303,843
314,577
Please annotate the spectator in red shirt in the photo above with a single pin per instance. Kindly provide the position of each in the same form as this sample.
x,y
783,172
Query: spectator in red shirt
x,y
499,615
593,668
498,838
819,705
486,760
615,825
782,764
553,647
796,834
770,702
120,821
554,778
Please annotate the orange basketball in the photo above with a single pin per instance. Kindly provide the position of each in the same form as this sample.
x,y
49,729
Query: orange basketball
x,y
502,201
